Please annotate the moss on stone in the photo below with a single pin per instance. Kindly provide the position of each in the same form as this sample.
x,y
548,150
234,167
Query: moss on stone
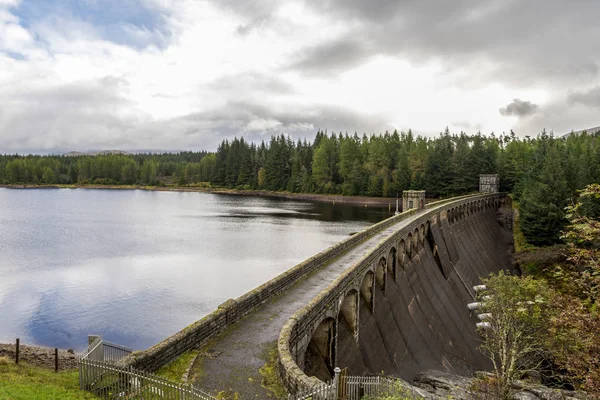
x,y
270,372
177,368
521,243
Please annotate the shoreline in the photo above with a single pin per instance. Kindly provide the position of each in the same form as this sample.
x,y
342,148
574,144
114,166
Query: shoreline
x,y
323,198
40,356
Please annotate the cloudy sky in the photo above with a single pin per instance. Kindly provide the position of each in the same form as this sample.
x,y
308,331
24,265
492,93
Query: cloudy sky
x,y
184,74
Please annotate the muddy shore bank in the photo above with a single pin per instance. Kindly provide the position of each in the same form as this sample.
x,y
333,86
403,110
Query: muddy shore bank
x,y
40,356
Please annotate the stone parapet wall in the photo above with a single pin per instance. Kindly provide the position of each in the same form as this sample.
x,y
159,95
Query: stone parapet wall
x,y
233,310
296,334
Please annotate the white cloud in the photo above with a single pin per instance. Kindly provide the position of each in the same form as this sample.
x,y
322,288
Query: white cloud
x,y
9,3
222,71
261,125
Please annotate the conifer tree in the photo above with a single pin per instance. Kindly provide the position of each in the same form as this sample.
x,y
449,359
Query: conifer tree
x,y
544,198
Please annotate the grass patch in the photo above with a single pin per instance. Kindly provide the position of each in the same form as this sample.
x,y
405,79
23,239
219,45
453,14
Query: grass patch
x,y
197,372
521,243
174,370
534,260
25,382
270,372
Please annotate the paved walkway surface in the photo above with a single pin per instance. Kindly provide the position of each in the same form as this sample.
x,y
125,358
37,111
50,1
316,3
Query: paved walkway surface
x,y
232,362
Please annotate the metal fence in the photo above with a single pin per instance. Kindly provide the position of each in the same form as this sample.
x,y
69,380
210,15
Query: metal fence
x,y
103,350
344,387
92,351
100,375
356,387
109,381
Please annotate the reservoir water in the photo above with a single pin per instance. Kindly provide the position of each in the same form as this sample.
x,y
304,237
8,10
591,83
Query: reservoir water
x,y
137,266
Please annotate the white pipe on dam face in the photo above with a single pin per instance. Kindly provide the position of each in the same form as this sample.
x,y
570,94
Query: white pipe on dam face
x,y
474,306
483,325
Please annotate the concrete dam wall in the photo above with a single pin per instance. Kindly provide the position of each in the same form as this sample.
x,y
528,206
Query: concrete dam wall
x,y
402,308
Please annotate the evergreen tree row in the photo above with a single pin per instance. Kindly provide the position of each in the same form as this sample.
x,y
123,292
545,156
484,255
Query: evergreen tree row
x,y
378,165
112,169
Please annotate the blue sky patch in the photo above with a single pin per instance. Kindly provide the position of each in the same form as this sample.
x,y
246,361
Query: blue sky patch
x,y
111,19
12,54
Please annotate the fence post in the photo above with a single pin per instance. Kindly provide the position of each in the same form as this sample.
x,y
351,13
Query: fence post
x,y
92,338
17,352
336,381
55,359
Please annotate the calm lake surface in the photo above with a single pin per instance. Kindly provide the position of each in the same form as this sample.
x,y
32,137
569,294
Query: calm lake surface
x,y
137,266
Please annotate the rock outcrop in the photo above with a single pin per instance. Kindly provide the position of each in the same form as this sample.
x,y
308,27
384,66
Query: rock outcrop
x,y
441,385
40,356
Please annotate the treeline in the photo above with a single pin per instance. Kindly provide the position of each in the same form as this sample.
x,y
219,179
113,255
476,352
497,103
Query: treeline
x,y
383,165
111,169
378,165
542,172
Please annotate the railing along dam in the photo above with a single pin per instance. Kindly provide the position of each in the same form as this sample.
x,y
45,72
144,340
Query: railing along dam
x,y
402,307
390,298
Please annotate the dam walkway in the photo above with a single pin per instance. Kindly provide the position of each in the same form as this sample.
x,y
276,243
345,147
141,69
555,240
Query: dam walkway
x,y
231,362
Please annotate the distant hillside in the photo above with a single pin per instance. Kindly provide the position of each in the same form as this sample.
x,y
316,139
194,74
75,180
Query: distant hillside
x,y
588,130
94,153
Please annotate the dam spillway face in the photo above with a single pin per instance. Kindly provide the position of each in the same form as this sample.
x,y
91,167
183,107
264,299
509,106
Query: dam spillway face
x,y
406,311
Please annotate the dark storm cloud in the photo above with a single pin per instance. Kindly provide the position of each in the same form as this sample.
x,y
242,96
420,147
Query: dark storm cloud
x,y
374,11
519,108
206,129
91,93
524,41
554,119
590,98
248,9
543,44
333,57
251,82
238,115
66,115
254,24
87,115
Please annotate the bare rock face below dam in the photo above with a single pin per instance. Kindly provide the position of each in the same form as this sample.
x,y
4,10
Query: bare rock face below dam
x,y
413,315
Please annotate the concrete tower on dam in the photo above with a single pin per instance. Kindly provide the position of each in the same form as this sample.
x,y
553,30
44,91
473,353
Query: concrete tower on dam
x,y
413,199
489,183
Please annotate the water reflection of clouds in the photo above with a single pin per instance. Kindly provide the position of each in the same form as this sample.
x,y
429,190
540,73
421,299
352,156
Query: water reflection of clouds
x,y
134,294
139,266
